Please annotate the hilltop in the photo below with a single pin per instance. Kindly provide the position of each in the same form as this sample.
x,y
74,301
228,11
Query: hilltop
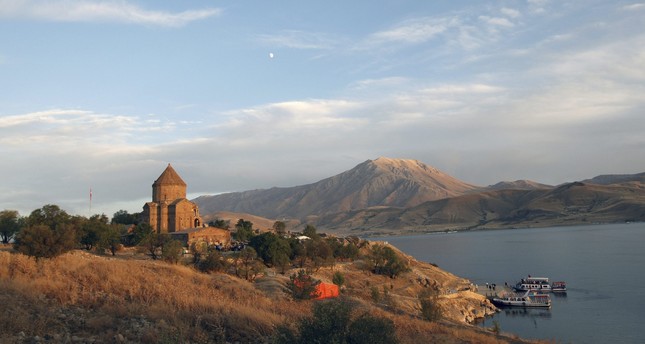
x,y
82,297
381,182
393,196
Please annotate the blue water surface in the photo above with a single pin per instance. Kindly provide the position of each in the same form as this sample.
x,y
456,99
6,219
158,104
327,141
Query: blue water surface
x,y
603,265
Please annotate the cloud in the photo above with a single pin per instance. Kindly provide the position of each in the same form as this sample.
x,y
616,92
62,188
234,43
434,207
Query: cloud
x,y
417,30
634,7
95,11
509,12
498,21
299,40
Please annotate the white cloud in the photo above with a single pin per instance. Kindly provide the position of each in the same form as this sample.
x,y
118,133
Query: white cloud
x,y
509,12
99,11
634,7
299,40
498,21
412,31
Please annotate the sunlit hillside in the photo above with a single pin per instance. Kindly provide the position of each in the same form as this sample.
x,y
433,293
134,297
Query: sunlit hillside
x,y
82,297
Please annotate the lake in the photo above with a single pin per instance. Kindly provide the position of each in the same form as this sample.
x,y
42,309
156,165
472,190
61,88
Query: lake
x,y
603,265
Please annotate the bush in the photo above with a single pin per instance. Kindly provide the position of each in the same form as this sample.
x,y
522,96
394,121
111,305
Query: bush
x,y
338,279
332,323
302,285
213,261
171,251
386,261
371,330
430,308
40,241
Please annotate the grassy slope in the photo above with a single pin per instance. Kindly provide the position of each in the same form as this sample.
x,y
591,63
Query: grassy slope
x,y
93,297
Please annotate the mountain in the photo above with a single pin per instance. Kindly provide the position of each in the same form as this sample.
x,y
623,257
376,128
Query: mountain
x,y
519,185
386,196
373,183
572,203
608,179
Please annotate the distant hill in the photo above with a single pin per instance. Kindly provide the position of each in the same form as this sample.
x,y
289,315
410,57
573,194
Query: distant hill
x,y
386,196
519,185
573,203
608,179
380,182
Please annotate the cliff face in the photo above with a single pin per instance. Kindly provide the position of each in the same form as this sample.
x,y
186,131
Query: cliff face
x,y
381,182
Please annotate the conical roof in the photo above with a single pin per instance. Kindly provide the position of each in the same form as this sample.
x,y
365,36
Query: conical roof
x,y
169,177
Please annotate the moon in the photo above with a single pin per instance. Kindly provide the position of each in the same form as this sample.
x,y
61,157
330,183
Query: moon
x,y
271,55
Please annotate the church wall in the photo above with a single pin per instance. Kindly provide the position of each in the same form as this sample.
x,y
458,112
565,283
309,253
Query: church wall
x,y
168,193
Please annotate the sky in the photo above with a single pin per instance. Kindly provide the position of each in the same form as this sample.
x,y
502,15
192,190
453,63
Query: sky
x,y
242,95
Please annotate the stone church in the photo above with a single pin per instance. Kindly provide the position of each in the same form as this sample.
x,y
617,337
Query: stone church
x,y
169,210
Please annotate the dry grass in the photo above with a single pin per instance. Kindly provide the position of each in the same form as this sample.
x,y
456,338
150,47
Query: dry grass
x,y
88,296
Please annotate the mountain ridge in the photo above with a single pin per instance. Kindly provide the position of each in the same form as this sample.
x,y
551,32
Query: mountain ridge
x,y
379,182
404,195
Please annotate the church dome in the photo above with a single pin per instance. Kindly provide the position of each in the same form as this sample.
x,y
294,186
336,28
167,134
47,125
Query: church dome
x,y
169,177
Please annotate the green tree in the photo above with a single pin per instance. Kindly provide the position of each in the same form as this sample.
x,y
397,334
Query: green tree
x,y
220,223
430,308
199,250
280,227
332,323
244,230
48,232
92,230
154,243
49,215
212,261
338,279
171,251
319,252
246,263
329,324
125,218
40,241
367,329
302,285
271,248
310,231
140,232
10,224
110,239
386,261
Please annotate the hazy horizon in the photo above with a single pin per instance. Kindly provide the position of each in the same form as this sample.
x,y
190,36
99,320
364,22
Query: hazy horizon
x,y
240,96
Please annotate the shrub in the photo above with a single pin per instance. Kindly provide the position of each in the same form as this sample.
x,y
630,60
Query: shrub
x,y
386,261
302,285
430,308
338,279
40,241
332,323
171,251
367,329
10,223
213,261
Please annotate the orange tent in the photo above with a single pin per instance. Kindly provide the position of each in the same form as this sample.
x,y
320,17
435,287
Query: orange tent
x,y
325,291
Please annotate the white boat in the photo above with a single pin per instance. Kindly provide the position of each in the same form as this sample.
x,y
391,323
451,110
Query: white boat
x,y
540,284
528,299
559,287
533,284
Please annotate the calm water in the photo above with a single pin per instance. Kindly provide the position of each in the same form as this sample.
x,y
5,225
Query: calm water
x,y
603,265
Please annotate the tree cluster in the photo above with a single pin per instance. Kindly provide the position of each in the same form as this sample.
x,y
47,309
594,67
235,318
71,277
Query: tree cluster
x,y
332,322
385,261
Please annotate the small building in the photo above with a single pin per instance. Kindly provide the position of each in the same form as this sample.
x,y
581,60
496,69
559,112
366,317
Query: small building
x,y
209,235
169,210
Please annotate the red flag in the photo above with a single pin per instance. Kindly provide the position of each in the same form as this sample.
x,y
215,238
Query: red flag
x,y
90,194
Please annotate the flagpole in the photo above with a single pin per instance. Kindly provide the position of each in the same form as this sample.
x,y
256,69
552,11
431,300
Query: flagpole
x,y
90,201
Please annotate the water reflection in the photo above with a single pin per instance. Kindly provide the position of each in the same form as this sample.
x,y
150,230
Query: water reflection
x,y
526,312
